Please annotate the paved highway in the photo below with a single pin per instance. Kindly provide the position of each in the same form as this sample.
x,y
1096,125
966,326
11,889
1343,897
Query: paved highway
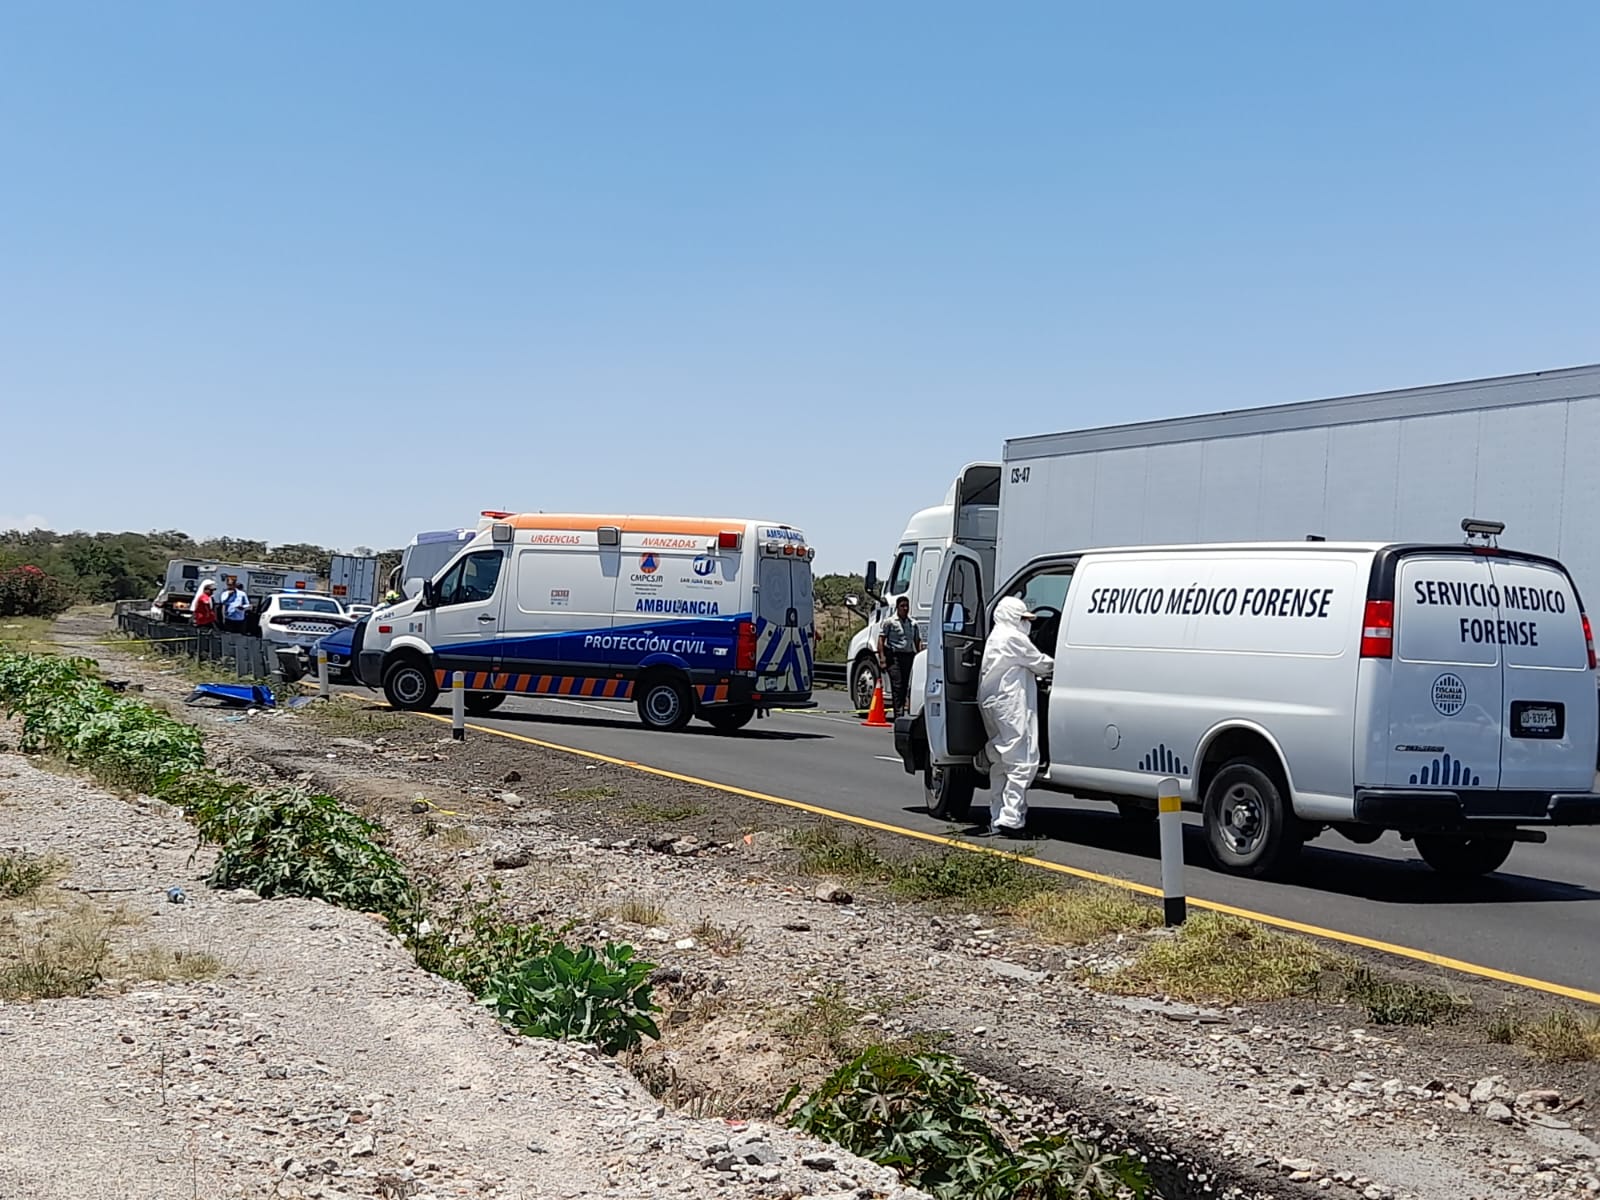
x,y
1537,917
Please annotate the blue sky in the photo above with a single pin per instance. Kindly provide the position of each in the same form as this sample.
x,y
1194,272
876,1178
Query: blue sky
x,y
357,270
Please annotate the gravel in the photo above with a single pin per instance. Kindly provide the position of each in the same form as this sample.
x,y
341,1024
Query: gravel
x,y
322,1062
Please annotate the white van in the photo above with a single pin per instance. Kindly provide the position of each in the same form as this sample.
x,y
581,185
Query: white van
x,y
1444,692
685,616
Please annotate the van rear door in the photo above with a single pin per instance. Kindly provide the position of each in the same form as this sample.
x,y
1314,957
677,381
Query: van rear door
x,y
785,621
1446,685
1549,718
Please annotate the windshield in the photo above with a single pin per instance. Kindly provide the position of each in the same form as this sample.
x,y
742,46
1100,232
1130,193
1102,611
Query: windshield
x,y
905,560
313,604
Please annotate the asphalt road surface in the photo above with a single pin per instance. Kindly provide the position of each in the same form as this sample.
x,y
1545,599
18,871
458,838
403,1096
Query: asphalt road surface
x,y
1537,917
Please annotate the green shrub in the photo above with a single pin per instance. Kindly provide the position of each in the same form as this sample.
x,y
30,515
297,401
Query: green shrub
x,y
588,995
21,874
924,1116
294,843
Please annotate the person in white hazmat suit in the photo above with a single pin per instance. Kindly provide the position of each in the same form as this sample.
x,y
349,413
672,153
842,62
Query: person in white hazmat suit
x,y
1008,698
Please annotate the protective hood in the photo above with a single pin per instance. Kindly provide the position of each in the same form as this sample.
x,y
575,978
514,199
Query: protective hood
x,y
1012,615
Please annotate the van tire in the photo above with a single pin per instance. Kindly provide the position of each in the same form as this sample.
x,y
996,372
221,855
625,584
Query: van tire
x,y
408,685
948,792
1463,857
481,704
730,720
665,704
1249,827
864,680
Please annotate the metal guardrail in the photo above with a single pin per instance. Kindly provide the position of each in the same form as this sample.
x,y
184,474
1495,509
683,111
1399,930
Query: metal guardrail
x,y
249,656
252,659
830,674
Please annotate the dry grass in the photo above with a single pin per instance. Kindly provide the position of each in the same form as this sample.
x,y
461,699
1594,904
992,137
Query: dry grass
x,y
723,940
587,794
1215,957
640,910
21,874
1562,1036
1078,915
158,964
53,953
30,635
457,837
351,716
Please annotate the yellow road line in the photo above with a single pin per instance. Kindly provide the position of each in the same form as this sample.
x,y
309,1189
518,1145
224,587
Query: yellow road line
x,y
1335,935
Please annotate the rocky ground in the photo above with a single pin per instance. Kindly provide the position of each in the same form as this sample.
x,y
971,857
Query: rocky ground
x,y
763,978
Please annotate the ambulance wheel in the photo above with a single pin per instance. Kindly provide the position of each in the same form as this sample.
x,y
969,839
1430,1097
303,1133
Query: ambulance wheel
x,y
864,680
1463,857
1249,827
948,792
730,720
481,704
665,704
408,684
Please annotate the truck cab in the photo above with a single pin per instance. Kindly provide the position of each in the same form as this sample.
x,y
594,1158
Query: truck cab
x,y
969,517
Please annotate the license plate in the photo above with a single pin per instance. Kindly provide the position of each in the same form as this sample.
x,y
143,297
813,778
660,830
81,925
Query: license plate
x,y
1538,719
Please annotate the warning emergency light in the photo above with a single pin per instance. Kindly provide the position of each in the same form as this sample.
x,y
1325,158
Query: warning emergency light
x,y
730,539
496,514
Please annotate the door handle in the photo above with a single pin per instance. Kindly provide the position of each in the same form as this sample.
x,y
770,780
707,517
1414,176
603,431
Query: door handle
x,y
486,619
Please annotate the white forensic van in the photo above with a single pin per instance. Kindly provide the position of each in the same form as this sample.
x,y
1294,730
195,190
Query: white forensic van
x,y
686,616
1446,692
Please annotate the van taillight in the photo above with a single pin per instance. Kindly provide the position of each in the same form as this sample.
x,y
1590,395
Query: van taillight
x,y
1588,639
744,647
1377,630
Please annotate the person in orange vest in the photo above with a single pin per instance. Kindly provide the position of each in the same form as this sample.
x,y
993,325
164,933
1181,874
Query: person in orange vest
x,y
899,639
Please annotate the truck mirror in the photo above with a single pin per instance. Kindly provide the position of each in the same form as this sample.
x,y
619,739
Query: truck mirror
x,y
429,596
872,577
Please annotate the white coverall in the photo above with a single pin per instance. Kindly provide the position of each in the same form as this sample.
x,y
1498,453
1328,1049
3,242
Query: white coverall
x,y
1008,698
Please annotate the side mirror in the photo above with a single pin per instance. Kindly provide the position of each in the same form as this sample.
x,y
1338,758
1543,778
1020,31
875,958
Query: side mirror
x,y
430,597
872,577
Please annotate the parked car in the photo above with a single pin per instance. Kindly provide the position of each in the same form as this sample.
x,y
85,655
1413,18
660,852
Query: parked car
x,y
301,619
338,645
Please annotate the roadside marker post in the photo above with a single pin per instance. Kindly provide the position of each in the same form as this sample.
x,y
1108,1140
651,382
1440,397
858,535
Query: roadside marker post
x,y
1169,802
458,706
322,673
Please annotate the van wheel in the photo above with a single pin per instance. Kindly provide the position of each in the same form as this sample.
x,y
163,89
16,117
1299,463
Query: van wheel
x,y
409,685
1463,857
948,792
864,680
664,704
480,704
1247,822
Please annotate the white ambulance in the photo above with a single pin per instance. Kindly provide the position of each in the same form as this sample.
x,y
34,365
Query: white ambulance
x,y
685,616
1445,692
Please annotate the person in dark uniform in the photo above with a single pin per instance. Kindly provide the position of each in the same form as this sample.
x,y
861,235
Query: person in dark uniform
x,y
899,639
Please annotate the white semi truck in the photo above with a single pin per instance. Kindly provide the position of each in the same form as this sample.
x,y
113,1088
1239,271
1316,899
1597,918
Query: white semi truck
x,y
968,516
1394,467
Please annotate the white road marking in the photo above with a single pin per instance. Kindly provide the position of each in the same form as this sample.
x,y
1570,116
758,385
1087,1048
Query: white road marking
x,y
588,704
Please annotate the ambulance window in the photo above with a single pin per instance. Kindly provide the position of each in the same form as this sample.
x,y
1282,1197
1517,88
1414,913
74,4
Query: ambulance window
x,y
191,572
472,580
905,561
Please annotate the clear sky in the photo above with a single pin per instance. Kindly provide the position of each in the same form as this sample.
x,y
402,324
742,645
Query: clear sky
x,y
340,272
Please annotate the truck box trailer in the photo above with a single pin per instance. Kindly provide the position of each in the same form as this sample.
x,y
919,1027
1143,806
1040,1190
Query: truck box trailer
x,y
1400,466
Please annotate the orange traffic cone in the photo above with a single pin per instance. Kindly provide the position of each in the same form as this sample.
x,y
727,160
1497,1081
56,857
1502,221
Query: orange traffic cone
x,y
875,718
